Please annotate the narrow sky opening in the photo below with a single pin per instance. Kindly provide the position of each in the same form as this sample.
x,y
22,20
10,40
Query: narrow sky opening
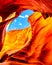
x,y
21,21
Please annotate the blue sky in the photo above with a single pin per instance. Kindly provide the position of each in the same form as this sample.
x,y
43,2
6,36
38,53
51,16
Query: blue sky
x,y
21,21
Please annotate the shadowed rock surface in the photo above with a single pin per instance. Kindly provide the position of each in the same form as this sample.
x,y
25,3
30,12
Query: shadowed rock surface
x,y
39,48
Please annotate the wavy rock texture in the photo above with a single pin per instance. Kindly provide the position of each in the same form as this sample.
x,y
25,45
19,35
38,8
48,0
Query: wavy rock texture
x,y
8,7
15,40
38,50
36,46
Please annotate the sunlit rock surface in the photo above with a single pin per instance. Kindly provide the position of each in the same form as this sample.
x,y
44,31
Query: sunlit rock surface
x,y
15,40
30,46
39,50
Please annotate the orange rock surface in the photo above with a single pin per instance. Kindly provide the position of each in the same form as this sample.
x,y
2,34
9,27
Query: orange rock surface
x,y
16,40
36,51
35,47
